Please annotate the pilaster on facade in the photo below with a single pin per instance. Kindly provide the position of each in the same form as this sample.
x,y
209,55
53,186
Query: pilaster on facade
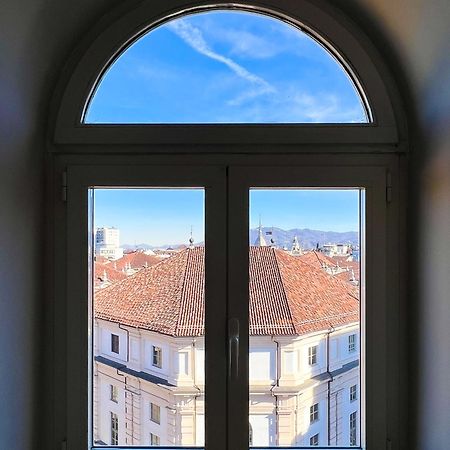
x,y
132,411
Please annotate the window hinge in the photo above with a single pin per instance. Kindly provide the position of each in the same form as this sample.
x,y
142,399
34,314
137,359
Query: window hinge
x,y
64,186
388,187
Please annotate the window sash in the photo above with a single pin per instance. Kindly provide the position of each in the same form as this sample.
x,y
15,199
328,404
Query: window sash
x,y
81,177
79,307
372,180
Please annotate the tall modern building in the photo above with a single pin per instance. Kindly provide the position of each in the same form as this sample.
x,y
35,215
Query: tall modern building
x,y
303,356
107,243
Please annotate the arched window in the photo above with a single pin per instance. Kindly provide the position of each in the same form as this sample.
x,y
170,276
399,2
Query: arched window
x,y
226,67
229,105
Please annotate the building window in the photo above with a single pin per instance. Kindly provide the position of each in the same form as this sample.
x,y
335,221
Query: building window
x,y
353,429
114,429
312,355
114,343
113,393
154,439
352,343
156,357
155,413
353,393
314,440
314,413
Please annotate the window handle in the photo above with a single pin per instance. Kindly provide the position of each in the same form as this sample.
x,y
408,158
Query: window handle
x,y
233,348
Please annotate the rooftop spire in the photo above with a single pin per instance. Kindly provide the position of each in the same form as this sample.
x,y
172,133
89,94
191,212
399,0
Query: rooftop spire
x,y
260,241
296,249
191,240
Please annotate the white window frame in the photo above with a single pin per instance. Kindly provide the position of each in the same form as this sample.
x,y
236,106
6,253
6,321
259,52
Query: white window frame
x,y
353,393
114,393
157,356
77,152
352,343
114,424
312,355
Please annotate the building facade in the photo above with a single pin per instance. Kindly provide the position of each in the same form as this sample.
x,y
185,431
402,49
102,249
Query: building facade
x,y
107,243
149,384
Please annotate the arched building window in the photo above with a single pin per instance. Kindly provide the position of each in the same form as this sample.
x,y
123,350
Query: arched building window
x,y
225,102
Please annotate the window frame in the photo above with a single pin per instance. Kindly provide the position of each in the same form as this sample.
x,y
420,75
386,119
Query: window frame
x,y
114,428
314,440
352,339
353,396
378,148
153,418
157,356
362,62
312,355
314,413
115,343
114,393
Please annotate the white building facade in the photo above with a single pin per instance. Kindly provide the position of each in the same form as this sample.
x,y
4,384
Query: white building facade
x,y
303,390
107,243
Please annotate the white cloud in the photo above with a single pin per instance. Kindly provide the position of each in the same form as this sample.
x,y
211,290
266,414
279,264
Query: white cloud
x,y
194,38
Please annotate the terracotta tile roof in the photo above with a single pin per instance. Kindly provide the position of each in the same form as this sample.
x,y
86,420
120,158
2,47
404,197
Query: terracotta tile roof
x,y
317,259
112,274
287,296
137,260
340,263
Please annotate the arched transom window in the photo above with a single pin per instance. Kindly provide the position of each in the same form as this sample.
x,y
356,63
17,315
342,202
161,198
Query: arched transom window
x,y
226,66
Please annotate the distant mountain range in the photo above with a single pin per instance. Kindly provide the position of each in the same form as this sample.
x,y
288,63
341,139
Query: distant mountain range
x,y
308,238
283,238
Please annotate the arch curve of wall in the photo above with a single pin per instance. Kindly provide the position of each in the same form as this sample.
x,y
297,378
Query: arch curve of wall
x,y
327,25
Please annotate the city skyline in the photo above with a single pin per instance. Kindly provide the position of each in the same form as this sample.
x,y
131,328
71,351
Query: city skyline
x,y
159,217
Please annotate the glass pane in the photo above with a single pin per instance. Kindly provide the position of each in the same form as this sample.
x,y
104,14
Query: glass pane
x,y
148,317
304,355
225,67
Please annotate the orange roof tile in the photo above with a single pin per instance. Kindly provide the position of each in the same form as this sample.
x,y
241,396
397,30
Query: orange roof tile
x,y
137,260
112,274
287,296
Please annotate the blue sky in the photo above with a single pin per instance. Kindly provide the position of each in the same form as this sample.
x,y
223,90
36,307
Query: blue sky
x,y
225,67
165,216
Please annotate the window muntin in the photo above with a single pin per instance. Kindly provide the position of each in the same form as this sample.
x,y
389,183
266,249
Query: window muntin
x,y
225,67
